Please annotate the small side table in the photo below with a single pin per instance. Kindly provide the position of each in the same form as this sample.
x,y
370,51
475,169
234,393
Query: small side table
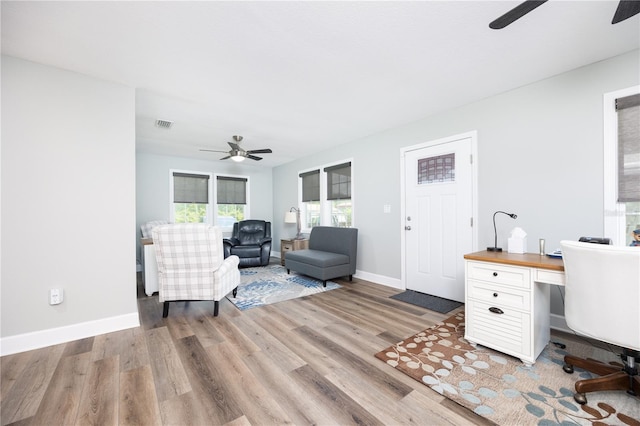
x,y
292,245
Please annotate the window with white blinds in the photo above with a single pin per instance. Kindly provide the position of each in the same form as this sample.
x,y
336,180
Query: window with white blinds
x,y
628,109
326,196
232,200
190,188
190,197
621,209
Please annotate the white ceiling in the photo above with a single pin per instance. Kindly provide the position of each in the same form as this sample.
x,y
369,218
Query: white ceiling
x,y
300,77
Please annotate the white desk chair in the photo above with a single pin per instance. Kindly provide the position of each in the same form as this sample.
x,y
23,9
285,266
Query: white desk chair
x,y
602,301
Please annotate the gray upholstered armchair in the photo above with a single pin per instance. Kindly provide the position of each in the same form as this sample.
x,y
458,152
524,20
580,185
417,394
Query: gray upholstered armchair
x,y
332,253
250,241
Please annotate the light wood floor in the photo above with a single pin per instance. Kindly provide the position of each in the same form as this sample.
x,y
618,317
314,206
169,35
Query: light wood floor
x,y
305,361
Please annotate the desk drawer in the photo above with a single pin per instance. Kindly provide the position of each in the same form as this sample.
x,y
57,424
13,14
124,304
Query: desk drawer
x,y
500,274
499,296
508,332
549,277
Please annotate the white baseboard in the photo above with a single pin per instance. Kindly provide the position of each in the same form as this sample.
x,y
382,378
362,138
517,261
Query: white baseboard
x,y
54,336
380,279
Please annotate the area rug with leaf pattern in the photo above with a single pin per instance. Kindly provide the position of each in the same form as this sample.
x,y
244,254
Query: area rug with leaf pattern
x,y
501,388
263,285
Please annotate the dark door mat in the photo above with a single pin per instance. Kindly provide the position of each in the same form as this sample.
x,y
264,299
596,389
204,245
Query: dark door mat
x,y
427,301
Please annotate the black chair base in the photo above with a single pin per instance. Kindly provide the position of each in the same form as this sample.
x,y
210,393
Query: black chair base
x,y
216,304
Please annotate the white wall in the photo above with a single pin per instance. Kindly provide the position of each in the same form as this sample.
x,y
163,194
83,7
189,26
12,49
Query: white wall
x,y
153,176
68,205
539,155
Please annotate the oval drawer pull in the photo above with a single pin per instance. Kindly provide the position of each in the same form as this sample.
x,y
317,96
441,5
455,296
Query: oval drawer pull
x,y
496,310
495,274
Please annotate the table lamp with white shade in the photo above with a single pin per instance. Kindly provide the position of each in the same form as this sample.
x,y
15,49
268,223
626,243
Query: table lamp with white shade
x,y
293,216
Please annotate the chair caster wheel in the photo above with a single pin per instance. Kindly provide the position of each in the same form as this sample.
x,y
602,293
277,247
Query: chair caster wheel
x,y
568,368
580,398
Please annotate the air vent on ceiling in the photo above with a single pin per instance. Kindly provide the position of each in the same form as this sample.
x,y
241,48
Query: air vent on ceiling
x,y
164,124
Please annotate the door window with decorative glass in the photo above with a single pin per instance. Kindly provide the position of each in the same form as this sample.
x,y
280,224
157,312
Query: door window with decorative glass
x,y
441,168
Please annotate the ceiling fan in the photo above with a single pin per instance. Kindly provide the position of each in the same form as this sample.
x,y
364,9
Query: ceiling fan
x,y
626,9
238,154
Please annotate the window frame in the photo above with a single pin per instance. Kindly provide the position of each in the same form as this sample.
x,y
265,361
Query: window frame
x,y
212,205
247,208
614,212
325,204
172,217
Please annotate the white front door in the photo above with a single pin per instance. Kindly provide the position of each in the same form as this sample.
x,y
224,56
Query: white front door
x,y
438,211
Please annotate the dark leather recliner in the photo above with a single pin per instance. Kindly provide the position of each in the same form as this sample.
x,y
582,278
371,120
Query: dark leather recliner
x,y
251,242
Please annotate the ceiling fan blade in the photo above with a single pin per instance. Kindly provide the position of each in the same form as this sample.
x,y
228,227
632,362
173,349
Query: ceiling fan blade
x,y
225,158
260,151
626,9
234,146
212,150
516,13
253,157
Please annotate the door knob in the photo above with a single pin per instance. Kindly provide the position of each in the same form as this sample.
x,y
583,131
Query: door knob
x,y
408,228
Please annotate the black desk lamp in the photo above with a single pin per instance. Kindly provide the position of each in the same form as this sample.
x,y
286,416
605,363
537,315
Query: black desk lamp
x,y
495,243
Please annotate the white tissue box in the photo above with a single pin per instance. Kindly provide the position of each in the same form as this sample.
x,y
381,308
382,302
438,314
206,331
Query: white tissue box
x,y
517,245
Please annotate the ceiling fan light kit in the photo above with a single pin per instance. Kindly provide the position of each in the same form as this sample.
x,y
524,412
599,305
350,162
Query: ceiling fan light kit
x,y
626,9
238,154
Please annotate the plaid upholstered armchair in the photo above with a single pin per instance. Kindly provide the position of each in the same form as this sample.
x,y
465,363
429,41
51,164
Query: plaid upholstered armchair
x,y
191,264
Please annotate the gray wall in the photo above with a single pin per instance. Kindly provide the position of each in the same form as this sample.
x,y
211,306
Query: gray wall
x,y
152,185
68,198
540,155
69,172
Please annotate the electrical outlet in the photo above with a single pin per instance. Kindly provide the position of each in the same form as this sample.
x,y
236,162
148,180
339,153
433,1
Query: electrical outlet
x,y
55,296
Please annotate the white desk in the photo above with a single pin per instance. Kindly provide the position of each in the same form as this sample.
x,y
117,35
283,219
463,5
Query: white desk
x,y
150,265
507,301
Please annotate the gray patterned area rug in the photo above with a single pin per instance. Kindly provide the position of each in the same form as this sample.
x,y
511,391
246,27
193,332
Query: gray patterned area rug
x,y
427,301
263,285
501,388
